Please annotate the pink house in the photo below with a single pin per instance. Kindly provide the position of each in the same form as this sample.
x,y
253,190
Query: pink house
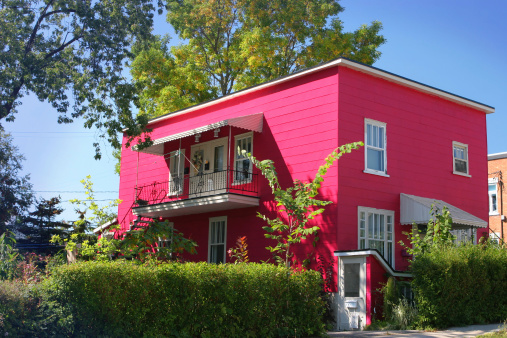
x,y
422,146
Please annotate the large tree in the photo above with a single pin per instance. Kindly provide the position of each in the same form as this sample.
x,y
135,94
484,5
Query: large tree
x,y
232,44
60,48
15,189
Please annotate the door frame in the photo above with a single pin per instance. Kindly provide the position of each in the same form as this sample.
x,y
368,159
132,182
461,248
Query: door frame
x,y
349,305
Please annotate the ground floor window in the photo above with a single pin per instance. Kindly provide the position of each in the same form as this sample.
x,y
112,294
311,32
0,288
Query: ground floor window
x,y
164,243
376,231
464,235
217,239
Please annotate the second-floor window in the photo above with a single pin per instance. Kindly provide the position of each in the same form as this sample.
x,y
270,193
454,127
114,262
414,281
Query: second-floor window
x,y
242,165
375,147
492,193
460,158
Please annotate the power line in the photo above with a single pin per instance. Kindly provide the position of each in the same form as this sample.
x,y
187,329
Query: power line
x,y
76,192
51,132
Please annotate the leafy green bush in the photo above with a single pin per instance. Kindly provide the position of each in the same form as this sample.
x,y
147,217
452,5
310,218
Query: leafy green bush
x,y
461,285
120,298
17,309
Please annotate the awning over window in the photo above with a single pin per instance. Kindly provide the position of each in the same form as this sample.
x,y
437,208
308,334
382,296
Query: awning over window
x,y
415,209
249,122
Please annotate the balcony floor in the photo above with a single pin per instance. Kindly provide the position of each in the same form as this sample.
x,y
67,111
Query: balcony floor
x,y
197,205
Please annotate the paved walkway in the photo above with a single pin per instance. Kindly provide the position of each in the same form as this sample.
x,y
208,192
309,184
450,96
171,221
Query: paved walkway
x,y
467,331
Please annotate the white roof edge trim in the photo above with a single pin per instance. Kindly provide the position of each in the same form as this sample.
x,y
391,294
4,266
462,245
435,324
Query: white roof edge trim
x,y
104,226
346,63
497,156
386,266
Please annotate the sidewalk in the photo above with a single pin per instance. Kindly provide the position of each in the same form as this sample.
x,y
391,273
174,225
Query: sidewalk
x,y
467,331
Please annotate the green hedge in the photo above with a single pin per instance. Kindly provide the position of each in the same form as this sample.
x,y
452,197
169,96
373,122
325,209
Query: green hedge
x,y
461,285
191,299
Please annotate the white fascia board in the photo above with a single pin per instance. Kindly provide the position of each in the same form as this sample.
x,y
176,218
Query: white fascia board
x,y
361,253
338,62
496,156
104,226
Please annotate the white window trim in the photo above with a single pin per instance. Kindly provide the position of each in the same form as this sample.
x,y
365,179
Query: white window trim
x,y
182,169
217,219
160,240
495,182
465,146
235,150
367,210
366,169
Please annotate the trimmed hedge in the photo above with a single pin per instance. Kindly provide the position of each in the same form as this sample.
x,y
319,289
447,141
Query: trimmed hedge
x,y
192,299
462,285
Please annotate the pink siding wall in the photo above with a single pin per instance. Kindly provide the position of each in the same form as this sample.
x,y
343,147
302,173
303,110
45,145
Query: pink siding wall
x,y
420,131
300,130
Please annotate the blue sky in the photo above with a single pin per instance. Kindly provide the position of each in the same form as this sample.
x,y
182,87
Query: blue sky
x,y
456,46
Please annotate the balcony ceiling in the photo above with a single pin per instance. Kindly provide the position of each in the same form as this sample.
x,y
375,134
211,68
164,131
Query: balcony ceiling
x,y
198,205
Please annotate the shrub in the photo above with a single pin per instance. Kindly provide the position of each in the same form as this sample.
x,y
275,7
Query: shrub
x,y
193,299
461,285
17,309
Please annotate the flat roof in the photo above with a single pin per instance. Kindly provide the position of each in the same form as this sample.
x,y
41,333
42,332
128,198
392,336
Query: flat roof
x,y
335,63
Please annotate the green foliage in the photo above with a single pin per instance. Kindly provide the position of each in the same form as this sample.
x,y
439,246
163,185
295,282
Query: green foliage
x,y
404,315
120,298
99,215
18,309
391,296
52,48
103,249
438,233
239,253
15,190
296,205
9,256
40,224
461,285
142,243
234,44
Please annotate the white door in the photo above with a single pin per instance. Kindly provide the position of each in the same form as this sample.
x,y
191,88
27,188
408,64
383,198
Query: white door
x,y
208,176
352,293
176,170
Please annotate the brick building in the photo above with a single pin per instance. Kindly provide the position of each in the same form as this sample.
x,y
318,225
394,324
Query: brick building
x,y
497,166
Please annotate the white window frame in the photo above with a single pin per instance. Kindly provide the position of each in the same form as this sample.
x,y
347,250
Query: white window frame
x,y
462,236
365,227
238,138
176,157
161,241
210,239
492,181
382,125
464,147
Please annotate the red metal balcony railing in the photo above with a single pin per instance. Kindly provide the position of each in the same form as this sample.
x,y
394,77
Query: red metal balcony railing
x,y
195,186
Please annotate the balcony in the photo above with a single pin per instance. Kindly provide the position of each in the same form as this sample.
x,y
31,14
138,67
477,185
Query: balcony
x,y
199,193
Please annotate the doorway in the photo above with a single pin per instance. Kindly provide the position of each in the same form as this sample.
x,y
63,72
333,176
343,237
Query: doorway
x,y
351,293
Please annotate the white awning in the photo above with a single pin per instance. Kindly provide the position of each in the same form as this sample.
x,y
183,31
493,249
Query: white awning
x,y
249,122
415,209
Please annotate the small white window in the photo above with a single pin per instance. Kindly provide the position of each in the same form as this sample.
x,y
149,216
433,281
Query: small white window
x,y
166,242
217,239
375,156
242,165
460,158
492,193
376,231
462,236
